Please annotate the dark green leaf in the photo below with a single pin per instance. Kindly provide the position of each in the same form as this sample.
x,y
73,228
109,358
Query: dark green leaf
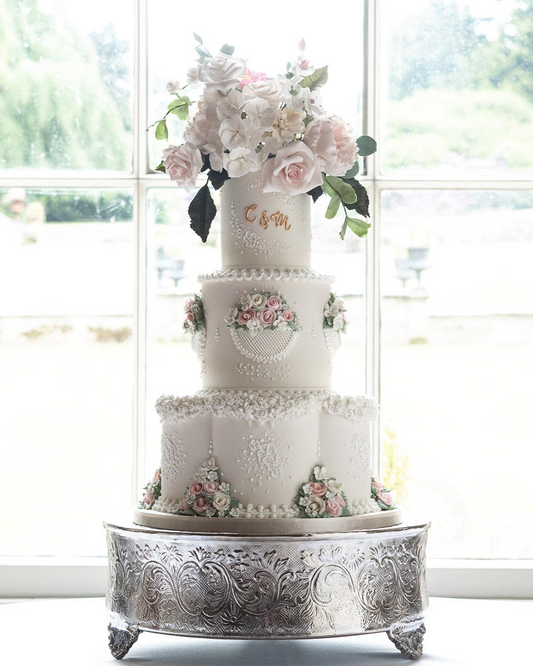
x,y
161,130
227,49
218,178
367,145
315,80
362,204
352,173
316,193
202,211
161,167
333,208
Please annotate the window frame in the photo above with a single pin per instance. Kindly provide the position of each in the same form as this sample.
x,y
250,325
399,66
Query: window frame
x,y
86,576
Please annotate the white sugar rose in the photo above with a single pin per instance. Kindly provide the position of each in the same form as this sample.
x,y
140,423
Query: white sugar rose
x,y
258,300
333,486
254,326
240,161
183,164
316,505
333,142
288,123
294,170
221,73
268,90
221,502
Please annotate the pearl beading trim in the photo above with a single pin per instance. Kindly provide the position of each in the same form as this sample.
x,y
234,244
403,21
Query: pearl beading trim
x,y
248,274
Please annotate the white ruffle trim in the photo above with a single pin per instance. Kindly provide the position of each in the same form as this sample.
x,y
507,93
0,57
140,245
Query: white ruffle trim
x,y
247,274
265,406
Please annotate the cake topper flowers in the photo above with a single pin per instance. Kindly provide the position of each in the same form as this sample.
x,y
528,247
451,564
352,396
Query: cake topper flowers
x,y
247,122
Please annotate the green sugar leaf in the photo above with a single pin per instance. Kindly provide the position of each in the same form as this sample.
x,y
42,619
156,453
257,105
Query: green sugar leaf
x,y
333,208
202,211
367,145
161,130
315,80
227,49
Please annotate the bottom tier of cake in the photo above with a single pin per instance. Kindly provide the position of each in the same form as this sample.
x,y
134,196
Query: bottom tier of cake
x,y
282,454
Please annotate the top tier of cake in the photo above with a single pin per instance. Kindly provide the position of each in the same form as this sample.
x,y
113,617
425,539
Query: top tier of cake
x,y
263,230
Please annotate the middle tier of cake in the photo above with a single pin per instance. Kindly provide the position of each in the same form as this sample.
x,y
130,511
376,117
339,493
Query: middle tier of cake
x,y
265,328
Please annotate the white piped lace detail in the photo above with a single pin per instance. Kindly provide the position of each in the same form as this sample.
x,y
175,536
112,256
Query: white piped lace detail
x,y
265,346
260,372
262,406
173,457
261,457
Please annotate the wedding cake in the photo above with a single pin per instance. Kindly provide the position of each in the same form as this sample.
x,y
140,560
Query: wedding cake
x,y
266,444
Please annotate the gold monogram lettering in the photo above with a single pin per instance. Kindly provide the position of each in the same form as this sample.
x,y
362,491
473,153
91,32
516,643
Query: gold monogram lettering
x,y
264,220
247,213
278,218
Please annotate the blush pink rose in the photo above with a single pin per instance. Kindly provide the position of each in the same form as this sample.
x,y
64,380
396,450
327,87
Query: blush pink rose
x,y
184,504
294,170
196,488
189,319
287,315
245,316
210,487
200,505
318,489
333,143
333,508
267,317
377,485
148,498
274,302
183,164
340,500
385,498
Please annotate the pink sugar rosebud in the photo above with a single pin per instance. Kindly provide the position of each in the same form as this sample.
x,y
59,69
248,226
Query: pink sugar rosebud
x,y
301,44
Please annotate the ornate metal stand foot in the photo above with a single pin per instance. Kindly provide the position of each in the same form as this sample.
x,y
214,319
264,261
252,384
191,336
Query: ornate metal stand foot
x,y
271,586
121,640
408,639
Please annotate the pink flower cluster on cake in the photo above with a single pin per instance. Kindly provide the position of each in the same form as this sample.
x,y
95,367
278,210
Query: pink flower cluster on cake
x,y
152,491
249,122
207,495
382,495
194,314
262,310
321,496
335,314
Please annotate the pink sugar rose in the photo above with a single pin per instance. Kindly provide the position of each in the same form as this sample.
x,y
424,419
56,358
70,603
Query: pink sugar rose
x,y
274,302
294,170
183,164
148,498
210,487
251,77
245,316
184,504
333,143
377,485
385,498
333,508
189,319
318,489
287,315
340,500
267,317
196,488
200,505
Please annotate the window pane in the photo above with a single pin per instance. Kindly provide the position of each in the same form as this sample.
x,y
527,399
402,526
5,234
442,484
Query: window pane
x,y
457,87
66,82
176,258
66,318
266,49
457,358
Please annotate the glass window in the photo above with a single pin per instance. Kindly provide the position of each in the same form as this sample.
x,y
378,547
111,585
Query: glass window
x,y
457,357
66,324
457,88
66,78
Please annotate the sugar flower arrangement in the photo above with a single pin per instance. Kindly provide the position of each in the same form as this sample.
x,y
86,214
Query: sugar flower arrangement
x,y
335,314
246,122
194,315
207,496
262,311
321,496
152,491
382,495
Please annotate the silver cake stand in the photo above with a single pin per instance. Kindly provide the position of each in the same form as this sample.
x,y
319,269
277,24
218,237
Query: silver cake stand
x,y
267,586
